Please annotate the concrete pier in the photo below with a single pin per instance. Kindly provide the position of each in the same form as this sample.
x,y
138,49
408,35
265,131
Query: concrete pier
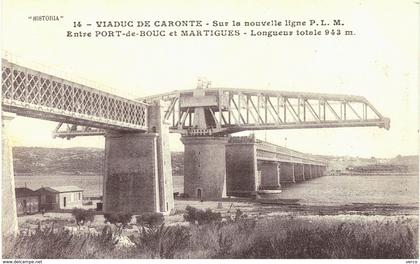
x,y
138,174
9,216
241,169
131,181
250,166
307,171
299,172
323,168
287,172
205,166
311,171
156,124
270,175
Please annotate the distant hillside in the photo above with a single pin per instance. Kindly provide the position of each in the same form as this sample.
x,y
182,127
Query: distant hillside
x,y
404,164
411,162
37,160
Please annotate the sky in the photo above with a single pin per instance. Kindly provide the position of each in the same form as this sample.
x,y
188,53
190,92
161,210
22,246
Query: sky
x,y
379,62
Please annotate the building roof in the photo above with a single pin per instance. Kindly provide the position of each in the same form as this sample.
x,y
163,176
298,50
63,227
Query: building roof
x,y
25,192
61,189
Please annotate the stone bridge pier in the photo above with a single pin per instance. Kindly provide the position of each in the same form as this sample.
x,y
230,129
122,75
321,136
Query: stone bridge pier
x,y
241,169
307,171
323,168
138,173
318,171
270,175
287,172
299,170
314,171
205,166
9,216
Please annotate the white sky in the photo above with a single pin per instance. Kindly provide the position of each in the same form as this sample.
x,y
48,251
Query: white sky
x,y
380,62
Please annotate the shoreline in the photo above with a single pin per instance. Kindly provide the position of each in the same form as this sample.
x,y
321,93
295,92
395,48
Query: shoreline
x,y
87,174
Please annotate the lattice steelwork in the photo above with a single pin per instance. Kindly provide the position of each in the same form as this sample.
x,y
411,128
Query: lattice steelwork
x,y
232,110
32,93
227,111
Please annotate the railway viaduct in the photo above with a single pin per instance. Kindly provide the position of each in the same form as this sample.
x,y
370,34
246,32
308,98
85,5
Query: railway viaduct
x,y
138,174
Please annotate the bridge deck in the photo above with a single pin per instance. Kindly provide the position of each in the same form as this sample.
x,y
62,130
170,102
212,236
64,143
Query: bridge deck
x,y
195,112
229,110
31,93
266,151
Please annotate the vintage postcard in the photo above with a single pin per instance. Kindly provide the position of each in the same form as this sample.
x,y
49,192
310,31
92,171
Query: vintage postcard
x,y
210,130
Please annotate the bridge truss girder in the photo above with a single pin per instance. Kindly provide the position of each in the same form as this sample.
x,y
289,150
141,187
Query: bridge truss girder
x,y
229,110
31,93
233,110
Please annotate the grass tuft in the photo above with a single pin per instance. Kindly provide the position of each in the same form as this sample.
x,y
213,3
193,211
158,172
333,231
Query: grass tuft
x,y
277,237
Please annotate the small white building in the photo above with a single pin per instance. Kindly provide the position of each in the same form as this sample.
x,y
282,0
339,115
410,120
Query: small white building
x,y
60,197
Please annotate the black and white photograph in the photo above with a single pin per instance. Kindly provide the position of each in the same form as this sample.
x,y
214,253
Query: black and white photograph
x,y
220,130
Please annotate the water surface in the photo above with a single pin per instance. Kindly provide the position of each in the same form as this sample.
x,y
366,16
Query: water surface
x,y
324,190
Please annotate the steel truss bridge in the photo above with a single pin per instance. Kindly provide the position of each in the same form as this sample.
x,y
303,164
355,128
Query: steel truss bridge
x,y
84,111
31,93
228,110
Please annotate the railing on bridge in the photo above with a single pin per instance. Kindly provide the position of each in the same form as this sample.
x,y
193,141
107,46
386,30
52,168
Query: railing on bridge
x,y
230,110
270,152
32,93
226,111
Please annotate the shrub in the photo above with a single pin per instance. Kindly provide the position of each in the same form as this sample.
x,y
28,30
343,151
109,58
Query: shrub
x,y
194,215
118,218
177,212
300,238
246,225
82,216
163,242
177,238
150,219
56,243
238,215
277,237
190,214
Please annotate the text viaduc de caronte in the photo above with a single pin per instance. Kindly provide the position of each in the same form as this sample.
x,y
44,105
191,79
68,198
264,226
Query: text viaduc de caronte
x,y
196,28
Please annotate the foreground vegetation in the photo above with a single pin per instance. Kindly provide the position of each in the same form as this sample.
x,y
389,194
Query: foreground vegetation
x,y
208,235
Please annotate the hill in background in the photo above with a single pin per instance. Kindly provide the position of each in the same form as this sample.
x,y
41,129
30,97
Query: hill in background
x,y
37,160
402,164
